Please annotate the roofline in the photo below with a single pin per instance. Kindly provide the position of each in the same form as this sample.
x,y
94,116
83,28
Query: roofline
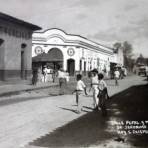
x,y
19,21
75,35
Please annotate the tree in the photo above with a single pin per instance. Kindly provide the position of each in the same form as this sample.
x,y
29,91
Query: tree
x,y
127,53
127,49
117,46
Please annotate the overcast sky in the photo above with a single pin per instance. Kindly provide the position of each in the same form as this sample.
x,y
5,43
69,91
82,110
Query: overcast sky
x,y
104,21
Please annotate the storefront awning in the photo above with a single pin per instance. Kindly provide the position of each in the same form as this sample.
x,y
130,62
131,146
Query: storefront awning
x,y
47,57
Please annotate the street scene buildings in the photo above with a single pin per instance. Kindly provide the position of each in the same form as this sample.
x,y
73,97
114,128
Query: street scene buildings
x,y
92,97
73,52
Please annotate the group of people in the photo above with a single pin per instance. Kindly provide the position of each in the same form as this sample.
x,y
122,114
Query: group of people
x,y
99,88
46,74
119,74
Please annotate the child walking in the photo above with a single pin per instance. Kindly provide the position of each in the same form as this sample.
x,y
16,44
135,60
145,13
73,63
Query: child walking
x,y
102,94
80,88
116,76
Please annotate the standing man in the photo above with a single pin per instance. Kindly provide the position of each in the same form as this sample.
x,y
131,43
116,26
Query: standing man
x,y
62,81
94,86
34,76
116,76
45,73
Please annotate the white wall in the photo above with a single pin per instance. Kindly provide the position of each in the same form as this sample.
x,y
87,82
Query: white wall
x,y
88,53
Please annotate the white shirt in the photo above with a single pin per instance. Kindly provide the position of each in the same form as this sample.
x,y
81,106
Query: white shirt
x,y
48,70
61,74
45,71
102,84
80,85
94,80
117,74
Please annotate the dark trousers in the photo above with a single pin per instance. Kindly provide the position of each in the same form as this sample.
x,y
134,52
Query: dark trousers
x,y
102,101
116,81
62,84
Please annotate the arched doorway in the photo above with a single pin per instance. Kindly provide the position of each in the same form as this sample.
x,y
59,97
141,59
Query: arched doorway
x,y
55,58
71,66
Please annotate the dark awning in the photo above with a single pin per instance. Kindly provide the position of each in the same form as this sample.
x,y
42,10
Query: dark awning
x,y
46,57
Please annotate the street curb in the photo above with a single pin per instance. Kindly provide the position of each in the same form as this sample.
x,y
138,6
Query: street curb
x,y
9,93
24,90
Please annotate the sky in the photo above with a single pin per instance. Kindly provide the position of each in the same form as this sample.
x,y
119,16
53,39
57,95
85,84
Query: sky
x,y
102,21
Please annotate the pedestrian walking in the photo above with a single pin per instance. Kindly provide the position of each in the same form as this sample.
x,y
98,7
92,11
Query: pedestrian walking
x,y
53,75
121,73
116,76
67,76
45,71
34,76
62,81
80,88
94,86
102,94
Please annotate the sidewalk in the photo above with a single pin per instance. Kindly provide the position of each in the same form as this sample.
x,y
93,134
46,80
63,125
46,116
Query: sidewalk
x,y
11,89
15,87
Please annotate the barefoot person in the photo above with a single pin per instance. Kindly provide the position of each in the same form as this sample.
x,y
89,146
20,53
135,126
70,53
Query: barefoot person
x,y
94,86
102,94
80,88
116,76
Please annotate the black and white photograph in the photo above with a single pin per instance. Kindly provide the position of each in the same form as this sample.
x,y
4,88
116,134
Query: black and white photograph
x,y
73,74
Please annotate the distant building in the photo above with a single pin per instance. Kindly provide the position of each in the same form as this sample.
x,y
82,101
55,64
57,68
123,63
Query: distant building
x,y
15,48
73,53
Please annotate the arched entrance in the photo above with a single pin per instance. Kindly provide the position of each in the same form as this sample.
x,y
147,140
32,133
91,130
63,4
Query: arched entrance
x,y
71,66
55,58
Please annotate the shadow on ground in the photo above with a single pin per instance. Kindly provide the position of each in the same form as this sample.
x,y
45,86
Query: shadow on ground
x,y
83,131
93,129
131,105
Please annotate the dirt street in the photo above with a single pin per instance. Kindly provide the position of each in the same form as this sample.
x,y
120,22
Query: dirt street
x,y
42,118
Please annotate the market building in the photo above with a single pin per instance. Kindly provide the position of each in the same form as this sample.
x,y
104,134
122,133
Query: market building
x,y
15,48
73,53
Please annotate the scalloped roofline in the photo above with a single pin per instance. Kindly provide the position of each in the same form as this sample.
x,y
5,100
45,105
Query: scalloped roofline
x,y
61,30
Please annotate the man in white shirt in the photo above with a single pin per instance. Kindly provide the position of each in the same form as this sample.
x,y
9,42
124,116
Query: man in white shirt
x,y
80,88
116,76
45,74
94,86
62,81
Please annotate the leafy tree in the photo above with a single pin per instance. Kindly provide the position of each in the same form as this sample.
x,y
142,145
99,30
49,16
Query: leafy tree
x,y
127,49
127,53
116,46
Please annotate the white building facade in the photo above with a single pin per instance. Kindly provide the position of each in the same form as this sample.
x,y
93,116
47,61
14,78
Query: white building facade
x,y
75,53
